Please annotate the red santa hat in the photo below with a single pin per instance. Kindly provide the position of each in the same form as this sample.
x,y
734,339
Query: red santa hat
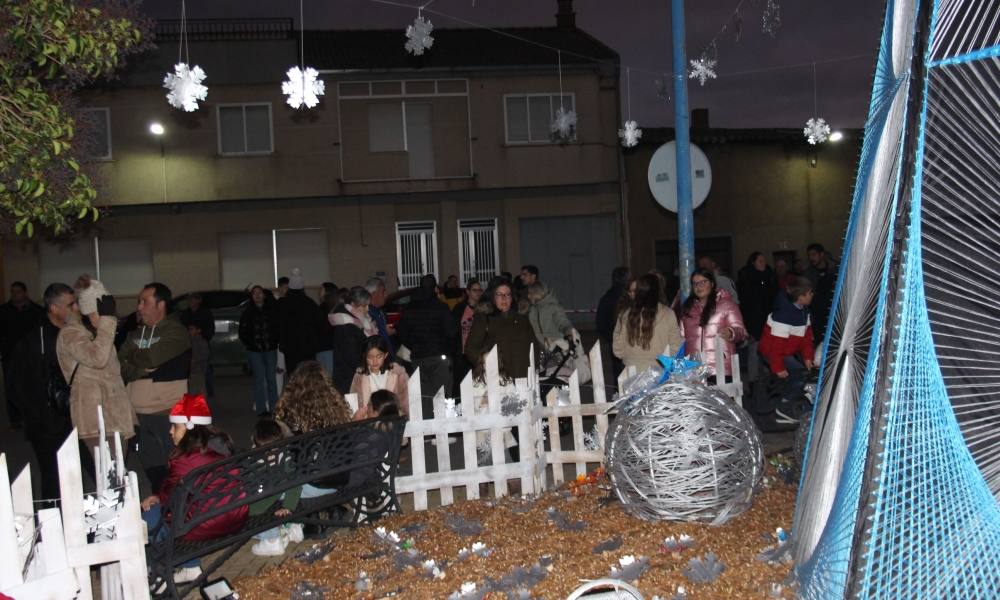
x,y
191,410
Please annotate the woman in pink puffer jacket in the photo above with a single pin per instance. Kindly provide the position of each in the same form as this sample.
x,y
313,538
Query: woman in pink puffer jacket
x,y
709,312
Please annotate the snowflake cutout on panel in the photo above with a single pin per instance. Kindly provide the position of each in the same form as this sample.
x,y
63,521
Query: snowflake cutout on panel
x,y
564,125
185,87
816,130
418,36
702,69
303,87
630,134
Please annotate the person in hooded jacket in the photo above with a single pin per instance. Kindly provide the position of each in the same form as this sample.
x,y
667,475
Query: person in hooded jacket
x,y
259,335
548,317
499,322
298,324
429,331
352,325
710,312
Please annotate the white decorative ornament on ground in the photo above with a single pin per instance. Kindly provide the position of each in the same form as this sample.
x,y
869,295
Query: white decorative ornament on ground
x,y
816,130
564,125
702,69
630,134
418,36
185,87
684,452
303,87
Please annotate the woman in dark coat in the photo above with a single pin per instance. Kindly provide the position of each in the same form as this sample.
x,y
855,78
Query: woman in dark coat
x,y
757,286
499,322
259,335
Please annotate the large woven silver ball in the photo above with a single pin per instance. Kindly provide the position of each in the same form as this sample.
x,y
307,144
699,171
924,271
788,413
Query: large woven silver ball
x,y
684,452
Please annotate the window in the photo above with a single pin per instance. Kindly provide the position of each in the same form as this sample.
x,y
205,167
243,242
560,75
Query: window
x,y
529,116
259,258
385,127
245,128
416,251
123,265
95,129
477,257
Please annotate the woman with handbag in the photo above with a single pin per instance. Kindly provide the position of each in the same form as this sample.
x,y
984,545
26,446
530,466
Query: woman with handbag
x,y
86,352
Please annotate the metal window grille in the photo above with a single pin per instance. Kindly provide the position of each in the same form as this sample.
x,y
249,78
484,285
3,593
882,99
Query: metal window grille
x,y
416,251
478,254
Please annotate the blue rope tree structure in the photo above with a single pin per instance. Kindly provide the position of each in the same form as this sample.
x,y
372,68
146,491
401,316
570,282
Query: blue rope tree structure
x,y
899,497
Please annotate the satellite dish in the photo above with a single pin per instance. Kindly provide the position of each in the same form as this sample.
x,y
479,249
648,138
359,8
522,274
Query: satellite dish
x,y
662,176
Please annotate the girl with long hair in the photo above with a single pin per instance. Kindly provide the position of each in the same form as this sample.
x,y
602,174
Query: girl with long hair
x,y
645,326
378,373
309,401
710,312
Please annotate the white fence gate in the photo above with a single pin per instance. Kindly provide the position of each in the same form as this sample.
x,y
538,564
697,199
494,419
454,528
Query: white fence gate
x,y
532,466
46,555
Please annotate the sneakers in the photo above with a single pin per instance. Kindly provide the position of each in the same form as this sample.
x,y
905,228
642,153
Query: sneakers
x,y
293,532
784,417
271,547
186,574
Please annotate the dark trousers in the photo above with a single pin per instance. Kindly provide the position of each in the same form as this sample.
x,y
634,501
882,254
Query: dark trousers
x,y
45,448
10,393
154,447
435,373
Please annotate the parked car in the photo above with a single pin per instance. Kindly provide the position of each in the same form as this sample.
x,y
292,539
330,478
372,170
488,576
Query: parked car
x,y
227,306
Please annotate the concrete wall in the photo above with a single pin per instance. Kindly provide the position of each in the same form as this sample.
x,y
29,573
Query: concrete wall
x,y
765,195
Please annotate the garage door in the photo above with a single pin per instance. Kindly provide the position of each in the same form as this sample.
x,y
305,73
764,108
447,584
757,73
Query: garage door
x,y
574,254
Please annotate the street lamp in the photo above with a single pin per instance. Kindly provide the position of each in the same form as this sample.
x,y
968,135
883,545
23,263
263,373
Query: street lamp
x,y
157,130
836,136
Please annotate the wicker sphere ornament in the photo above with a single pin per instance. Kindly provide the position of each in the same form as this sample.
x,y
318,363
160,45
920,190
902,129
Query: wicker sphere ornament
x,y
684,452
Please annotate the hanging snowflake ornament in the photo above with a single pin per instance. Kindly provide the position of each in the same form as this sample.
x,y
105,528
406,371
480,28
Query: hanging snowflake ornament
x,y
303,87
418,36
771,19
185,87
630,134
702,69
564,125
816,130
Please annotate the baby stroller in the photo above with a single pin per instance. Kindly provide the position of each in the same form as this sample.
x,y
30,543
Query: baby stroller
x,y
558,361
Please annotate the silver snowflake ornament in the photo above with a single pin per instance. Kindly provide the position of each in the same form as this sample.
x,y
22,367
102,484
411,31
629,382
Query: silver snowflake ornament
x,y
816,130
418,36
185,87
303,87
630,134
564,125
702,69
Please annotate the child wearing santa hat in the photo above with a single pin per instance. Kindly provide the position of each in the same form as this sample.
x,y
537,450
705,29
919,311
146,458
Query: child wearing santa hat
x,y
196,443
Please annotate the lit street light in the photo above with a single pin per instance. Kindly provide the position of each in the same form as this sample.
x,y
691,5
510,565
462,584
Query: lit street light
x,y
156,129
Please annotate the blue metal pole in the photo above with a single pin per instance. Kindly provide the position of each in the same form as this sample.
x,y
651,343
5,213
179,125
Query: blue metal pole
x,y
685,215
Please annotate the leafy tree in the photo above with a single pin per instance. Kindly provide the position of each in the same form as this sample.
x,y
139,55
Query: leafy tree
x,y
48,49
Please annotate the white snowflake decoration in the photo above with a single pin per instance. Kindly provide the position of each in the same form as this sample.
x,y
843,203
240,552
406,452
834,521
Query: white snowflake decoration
x,y
630,134
592,439
303,87
816,130
185,87
702,69
564,125
418,36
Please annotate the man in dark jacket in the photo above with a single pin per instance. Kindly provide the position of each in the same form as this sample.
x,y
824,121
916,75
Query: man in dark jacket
x,y
376,287
607,315
428,330
822,272
17,317
200,316
155,361
35,376
298,324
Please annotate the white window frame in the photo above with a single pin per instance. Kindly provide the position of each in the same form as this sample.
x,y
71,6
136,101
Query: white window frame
x,y
471,225
527,101
107,112
404,227
244,105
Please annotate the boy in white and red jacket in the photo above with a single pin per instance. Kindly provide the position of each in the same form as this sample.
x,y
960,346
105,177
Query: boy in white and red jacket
x,y
787,340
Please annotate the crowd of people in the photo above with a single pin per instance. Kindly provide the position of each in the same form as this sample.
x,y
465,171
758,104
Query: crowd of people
x,y
63,360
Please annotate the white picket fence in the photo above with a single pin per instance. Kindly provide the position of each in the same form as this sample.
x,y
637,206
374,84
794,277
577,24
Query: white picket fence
x,y
535,463
46,555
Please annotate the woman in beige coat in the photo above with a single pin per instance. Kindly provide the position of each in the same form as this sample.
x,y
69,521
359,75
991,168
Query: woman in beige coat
x,y
379,373
645,327
86,353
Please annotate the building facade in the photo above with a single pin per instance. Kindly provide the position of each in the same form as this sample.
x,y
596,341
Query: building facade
x,y
439,164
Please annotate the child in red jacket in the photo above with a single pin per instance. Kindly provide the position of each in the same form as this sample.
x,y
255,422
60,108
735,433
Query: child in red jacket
x,y
196,443
787,340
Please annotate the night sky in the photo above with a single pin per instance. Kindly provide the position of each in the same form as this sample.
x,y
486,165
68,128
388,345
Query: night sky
x,y
758,85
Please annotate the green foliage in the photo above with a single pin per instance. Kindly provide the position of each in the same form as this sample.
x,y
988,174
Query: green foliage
x,y
48,48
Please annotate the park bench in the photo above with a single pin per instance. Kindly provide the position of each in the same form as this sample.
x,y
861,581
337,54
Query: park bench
x,y
358,460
